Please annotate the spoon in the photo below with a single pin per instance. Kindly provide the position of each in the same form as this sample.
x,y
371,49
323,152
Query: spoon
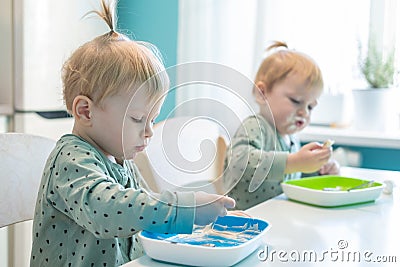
x,y
340,188
363,185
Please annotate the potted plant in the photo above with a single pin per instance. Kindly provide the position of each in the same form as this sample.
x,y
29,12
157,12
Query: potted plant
x,y
377,70
374,107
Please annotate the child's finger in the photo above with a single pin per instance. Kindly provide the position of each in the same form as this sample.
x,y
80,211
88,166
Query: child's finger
x,y
223,212
323,170
229,202
313,146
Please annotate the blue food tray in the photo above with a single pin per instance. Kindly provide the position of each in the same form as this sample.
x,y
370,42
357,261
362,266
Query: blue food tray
x,y
219,251
227,223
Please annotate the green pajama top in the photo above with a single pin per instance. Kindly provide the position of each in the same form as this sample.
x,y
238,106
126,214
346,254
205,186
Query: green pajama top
x,y
257,152
89,209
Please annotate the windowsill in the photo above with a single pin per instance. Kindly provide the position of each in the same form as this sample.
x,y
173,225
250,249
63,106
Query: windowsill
x,y
349,136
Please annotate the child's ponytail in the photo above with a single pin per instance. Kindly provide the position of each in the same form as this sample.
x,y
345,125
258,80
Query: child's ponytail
x,y
112,63
277,45
107,13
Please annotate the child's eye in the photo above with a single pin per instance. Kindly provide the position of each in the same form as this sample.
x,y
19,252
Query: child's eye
x,y
137,119
294,101
312,105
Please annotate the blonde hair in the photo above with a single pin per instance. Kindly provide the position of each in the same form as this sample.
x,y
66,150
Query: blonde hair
x,y
111,63
283,62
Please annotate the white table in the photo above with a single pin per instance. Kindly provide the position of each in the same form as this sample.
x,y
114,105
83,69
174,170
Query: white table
x,y
329,235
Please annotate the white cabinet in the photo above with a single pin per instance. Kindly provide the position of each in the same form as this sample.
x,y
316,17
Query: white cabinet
x,y
6,51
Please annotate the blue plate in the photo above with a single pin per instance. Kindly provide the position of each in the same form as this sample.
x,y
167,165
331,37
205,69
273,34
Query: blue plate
x,y
231,239
247,228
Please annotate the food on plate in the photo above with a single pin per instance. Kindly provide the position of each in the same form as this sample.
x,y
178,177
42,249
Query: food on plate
x,y
328,143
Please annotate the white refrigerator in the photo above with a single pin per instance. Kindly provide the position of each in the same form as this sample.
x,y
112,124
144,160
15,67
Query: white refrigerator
x,y
37,37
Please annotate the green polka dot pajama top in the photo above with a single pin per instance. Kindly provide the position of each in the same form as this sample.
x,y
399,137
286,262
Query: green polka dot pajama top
x,y
89,209
257,151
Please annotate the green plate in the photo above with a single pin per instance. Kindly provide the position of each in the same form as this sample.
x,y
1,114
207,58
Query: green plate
x,y
332,190
331,181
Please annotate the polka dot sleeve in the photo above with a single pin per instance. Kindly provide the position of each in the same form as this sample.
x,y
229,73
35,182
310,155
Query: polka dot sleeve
x,y
94,198
255,153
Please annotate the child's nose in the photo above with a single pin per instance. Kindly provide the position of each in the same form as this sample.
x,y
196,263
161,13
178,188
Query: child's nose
x,y
304,111
148,130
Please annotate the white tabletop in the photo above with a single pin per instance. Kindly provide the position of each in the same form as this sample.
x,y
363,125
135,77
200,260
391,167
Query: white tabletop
x,y
356,235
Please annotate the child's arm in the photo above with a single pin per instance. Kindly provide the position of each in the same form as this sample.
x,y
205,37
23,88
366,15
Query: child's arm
x,y
252,156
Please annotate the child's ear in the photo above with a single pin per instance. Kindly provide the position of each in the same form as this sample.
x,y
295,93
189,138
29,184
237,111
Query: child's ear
x,y
260,93
81,109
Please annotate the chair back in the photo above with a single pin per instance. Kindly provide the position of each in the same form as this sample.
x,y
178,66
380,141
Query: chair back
x,y
184,154
22,159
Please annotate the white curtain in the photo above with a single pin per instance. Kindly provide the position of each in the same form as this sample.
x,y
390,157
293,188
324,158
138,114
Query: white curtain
x,y
223,36
235,33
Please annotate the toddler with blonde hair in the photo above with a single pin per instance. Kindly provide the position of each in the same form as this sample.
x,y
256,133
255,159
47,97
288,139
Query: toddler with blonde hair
x,y
91,202
265,151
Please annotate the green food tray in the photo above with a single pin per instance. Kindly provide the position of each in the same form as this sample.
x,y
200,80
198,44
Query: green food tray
x,y
332,190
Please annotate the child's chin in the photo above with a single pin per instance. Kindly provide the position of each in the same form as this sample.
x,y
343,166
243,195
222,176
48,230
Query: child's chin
x,y
292,130
130,156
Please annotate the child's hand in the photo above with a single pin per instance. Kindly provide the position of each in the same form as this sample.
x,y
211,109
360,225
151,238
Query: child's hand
x,y
331,167
310,158
210,206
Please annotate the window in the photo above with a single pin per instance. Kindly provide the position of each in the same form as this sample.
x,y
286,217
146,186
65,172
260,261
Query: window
x,y
237,32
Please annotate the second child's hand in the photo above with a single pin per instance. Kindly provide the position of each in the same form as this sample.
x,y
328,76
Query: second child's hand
x,y
332,166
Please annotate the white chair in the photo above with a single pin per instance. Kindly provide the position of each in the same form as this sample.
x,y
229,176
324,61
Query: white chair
x,y
184,154
22,159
